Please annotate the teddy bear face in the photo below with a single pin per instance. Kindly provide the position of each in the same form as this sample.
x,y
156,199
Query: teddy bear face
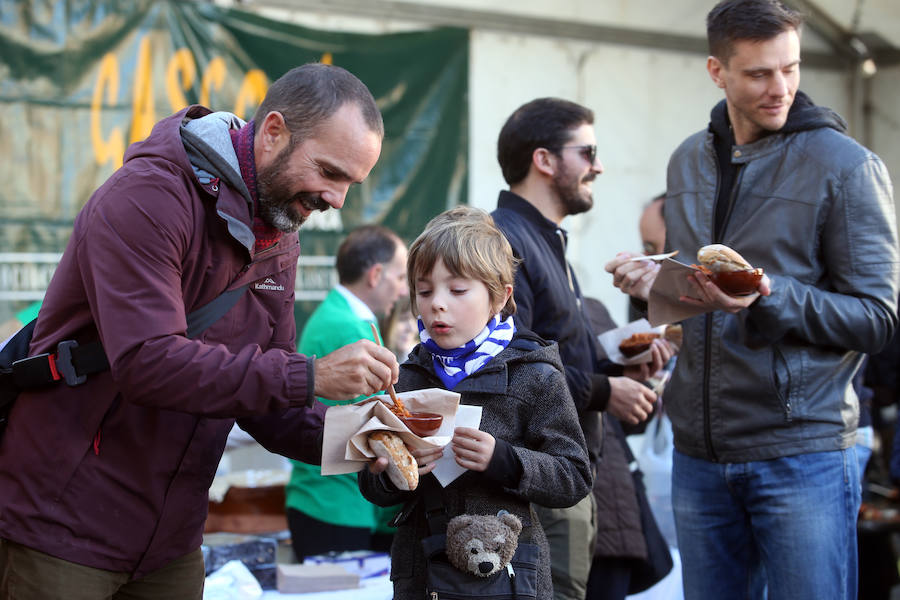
x,y
482,544
486,558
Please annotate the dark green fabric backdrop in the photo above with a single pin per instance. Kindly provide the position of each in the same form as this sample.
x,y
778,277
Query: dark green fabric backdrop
x,y
81,79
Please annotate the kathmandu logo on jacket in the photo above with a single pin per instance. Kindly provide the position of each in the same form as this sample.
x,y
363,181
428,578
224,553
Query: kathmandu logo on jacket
x,y
269,284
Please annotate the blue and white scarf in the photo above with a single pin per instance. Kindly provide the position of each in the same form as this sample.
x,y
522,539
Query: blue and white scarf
x,y
454,365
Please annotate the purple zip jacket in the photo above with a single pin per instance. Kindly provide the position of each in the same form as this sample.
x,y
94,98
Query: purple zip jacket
x,y
114,473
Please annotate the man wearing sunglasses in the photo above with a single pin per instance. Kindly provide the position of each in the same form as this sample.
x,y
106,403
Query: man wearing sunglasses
x,y
548,154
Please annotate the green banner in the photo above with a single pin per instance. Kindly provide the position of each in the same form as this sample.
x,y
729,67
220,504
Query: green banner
x,y
82,79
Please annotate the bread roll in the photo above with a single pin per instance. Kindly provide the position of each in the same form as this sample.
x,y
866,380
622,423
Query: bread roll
x,y
729,270
674,334
718,258
403,470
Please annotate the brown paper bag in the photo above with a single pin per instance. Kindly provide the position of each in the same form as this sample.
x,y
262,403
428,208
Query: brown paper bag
x,y
671,283
345,448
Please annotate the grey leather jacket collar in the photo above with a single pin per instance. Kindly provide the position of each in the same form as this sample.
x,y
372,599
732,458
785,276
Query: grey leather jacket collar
x,y
815,210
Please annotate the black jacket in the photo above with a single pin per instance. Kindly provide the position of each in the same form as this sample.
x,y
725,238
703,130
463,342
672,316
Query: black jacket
x,y
549,303
815,210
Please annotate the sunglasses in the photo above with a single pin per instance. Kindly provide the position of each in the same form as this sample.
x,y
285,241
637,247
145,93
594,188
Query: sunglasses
x,y
589,152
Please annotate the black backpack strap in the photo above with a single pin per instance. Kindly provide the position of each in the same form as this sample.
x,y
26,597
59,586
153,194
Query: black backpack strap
x,y
199,320
433,503
72,362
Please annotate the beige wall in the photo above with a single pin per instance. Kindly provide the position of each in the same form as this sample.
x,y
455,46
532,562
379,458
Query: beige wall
x,y
645,100
885,119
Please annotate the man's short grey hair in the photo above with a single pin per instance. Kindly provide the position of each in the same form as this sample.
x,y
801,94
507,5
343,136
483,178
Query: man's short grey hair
x,y
307,95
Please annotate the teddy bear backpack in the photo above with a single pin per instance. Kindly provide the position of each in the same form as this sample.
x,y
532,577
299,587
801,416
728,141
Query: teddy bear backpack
x,y
477,556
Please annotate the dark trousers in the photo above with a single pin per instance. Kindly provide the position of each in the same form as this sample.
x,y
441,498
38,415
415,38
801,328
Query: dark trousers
x,y
609,579
27,574
310,536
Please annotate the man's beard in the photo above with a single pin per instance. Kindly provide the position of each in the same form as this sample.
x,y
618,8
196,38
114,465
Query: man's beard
x,y
568,190
276,203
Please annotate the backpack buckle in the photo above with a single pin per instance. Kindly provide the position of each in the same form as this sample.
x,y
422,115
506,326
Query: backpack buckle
x,y
64,363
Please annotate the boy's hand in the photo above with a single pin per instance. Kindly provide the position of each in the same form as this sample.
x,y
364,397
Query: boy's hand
x,y
379,465
426,458
473,448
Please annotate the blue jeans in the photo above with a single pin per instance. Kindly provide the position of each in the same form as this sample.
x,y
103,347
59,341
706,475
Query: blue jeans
x,y
865,441
786,525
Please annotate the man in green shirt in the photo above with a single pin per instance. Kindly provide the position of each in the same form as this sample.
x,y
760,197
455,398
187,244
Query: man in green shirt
x,y
329,513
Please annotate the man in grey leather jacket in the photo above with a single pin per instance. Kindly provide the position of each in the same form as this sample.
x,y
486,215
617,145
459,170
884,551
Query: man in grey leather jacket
x,y
766,487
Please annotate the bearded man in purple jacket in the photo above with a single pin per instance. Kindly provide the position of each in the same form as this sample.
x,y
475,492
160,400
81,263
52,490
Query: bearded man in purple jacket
x,y
103,485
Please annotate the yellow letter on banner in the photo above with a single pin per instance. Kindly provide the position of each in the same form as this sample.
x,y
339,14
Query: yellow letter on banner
x,y
214,77
142,114
181,62
253,90
113,147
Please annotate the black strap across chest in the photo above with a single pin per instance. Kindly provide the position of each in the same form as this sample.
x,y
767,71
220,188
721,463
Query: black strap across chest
x,y
73,362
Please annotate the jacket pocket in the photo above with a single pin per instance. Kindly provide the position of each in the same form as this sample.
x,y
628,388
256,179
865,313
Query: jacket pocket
x,y
93,440
783,380
446,582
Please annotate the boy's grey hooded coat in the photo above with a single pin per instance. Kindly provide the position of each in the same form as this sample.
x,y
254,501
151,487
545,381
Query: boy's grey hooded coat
x,y
539,457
